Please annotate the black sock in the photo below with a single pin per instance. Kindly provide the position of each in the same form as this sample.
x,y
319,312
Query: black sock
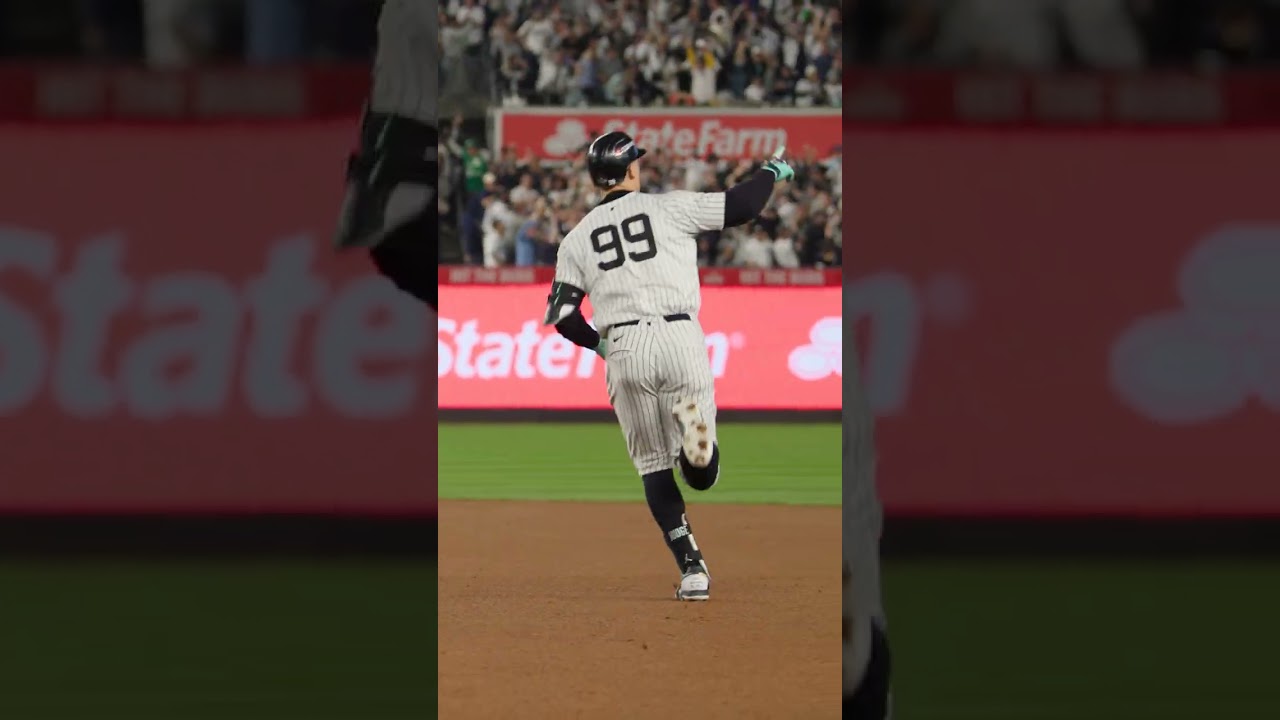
x,y
872,701
667,505
701,478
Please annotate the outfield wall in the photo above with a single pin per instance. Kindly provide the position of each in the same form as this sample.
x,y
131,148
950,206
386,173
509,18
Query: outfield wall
x,y
773,342
1063,320
1094,320
178,337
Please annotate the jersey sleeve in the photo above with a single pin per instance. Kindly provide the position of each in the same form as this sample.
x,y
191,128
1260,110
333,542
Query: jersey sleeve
x,y
696,212
569,266
567,290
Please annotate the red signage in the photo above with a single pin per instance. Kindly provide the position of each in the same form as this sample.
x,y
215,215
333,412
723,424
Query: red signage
x,y
1063,323
53,92
779,350
50,93
727,277
176,333
1054,323
560,133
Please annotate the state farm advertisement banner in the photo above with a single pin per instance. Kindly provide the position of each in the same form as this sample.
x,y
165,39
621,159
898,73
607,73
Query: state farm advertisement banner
x,y
177,335
563,133
778,350
1059,323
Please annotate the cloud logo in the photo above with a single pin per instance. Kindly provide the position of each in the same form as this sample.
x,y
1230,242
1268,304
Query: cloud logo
x,y
823,357
570,135
1210,358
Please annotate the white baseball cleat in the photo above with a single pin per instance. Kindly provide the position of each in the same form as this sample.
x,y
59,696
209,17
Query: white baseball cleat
x,y
694,586
697,442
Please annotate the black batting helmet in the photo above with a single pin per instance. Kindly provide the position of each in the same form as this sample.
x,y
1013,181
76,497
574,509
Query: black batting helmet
x,y
609,156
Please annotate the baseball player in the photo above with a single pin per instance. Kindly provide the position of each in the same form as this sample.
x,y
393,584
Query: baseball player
x,y
866,651
391,204
636,256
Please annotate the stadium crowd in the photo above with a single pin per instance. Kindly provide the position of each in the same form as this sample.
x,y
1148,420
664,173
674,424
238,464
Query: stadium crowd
x,y
627,52
515,210
1053,34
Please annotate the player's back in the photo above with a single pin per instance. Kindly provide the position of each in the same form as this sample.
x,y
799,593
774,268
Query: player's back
x,y
638,253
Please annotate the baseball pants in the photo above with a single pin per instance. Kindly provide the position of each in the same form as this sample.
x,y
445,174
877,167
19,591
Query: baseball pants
x,y
651,366
863,523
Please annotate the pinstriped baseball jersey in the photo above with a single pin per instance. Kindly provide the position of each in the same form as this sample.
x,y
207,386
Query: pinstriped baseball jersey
x,y
406,74
636,255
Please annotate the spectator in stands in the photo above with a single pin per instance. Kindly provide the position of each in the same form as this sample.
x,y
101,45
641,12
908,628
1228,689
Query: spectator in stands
x,y
524,194
470,16
474,167
535,234
586,79
703,67
495,224
809,89
455,38
753,250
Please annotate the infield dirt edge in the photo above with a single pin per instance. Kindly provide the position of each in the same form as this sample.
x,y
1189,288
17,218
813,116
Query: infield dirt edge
x,y
565,609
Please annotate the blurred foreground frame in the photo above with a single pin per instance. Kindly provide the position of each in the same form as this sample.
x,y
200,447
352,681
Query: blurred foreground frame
x,y
1064,293
217,453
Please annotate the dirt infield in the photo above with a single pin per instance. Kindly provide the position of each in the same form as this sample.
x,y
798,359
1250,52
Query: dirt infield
x,y
565,610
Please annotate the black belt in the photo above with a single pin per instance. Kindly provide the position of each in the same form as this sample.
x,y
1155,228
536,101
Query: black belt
x,y
669,318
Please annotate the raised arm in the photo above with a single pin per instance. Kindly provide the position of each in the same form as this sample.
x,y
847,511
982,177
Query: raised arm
x,y
742,203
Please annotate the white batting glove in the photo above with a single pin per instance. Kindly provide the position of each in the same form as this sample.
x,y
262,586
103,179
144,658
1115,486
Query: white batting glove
x,y
779,167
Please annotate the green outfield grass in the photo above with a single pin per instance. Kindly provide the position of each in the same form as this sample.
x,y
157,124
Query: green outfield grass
x,y
1124,640
783,463
275,640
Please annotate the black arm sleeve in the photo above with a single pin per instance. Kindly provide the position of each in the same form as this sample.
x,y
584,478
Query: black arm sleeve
x,y
576,330
744,201
405,259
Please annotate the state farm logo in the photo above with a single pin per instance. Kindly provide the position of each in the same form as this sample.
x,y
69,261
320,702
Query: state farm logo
x,y
686,137
571,135
822,357
890,306
467,352
1208,359
81,329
